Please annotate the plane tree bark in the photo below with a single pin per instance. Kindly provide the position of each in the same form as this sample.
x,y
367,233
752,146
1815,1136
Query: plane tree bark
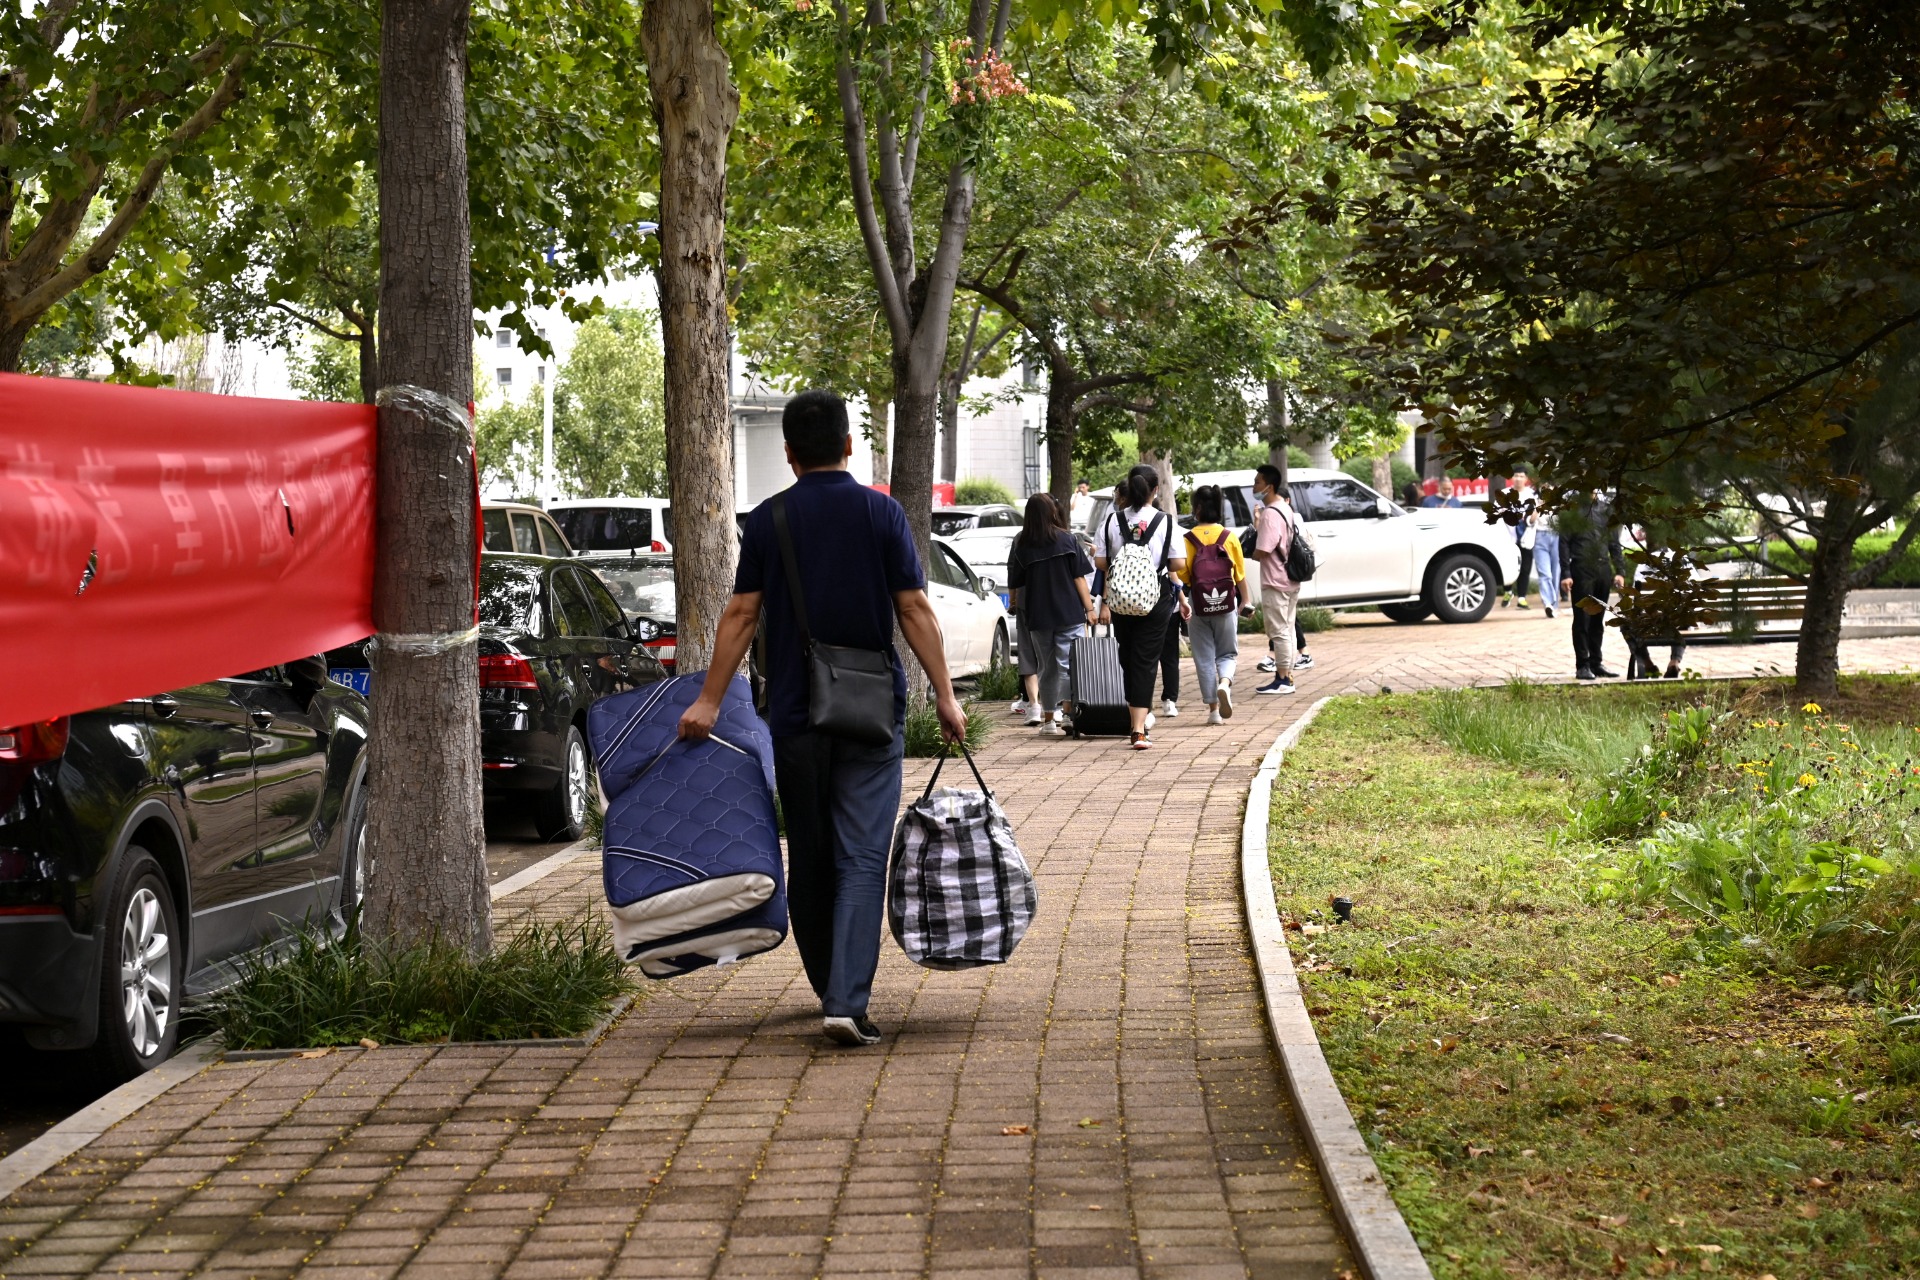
x,y
425,847
695,105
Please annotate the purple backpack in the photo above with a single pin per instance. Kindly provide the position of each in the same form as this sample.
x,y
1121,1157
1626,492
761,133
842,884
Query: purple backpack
x,y
1213,590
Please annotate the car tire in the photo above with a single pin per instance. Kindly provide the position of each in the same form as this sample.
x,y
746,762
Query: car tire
x,y
561,812
1461,589
1002,653
353,856
142,967
1414,611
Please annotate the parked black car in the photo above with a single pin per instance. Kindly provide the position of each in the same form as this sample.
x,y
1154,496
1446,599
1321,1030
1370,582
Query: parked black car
x,y
552,643
642,585
141,844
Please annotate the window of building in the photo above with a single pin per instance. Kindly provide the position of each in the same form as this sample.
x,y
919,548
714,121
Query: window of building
x,y
504,377
503,337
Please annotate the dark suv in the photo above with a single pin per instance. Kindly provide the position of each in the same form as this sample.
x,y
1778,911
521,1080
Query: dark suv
x,y
552,642
141,844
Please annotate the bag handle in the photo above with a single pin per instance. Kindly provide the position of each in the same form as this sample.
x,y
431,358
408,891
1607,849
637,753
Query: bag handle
x,y
948,755
785,537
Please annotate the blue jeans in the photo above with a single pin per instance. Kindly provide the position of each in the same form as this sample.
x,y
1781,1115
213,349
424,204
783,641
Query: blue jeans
x,y
838,800
1546,565
1051,652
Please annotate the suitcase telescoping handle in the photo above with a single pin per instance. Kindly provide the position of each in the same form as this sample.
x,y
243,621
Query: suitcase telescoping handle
x,y
948,755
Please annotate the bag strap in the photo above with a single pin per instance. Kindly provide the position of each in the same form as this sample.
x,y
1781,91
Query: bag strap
x,y
785,537
946,755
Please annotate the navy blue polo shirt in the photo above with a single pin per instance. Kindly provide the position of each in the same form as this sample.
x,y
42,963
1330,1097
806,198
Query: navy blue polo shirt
x,y
853,550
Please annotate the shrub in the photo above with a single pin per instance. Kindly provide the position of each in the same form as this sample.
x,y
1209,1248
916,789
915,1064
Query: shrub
x,y
998,684
1653,783
547,981
923,739
980,491
1315,618
1361,469
1252,624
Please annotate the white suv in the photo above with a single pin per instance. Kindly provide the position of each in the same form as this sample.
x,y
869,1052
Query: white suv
x,y
1444,561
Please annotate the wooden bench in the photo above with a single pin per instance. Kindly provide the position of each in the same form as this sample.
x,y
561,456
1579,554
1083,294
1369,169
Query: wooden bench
x,y
1749,611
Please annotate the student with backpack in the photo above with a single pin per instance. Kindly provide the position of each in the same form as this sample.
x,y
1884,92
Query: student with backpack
x,y
1216,578
1046,576
1138,554
1286,561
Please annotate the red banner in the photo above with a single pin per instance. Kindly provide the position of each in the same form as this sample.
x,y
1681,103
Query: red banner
x,y
151,539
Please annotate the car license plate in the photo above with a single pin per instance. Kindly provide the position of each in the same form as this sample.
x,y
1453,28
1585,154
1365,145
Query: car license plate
x,y
358,679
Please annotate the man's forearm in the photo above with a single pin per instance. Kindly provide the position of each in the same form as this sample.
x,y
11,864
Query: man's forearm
x,y
731,640
922,630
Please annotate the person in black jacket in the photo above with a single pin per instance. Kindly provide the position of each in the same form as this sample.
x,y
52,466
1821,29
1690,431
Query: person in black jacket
x,y
1593,567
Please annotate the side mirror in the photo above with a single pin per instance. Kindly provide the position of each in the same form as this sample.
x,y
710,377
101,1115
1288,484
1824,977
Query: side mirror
x,y
1382,507
987,587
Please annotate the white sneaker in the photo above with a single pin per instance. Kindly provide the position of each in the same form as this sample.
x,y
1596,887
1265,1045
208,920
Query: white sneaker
x,y
1053,729
1149,722
1035,716
1223,700
1019,707
1265,664
1169,709
1214,717
1301,661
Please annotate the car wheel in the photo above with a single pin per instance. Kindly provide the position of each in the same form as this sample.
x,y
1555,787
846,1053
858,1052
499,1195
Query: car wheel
x,y
140,970
1002,649
561,813
1461,589
353,856
1411,612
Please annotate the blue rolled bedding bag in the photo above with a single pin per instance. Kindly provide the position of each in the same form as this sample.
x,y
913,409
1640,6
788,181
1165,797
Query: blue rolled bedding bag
x,y
691,854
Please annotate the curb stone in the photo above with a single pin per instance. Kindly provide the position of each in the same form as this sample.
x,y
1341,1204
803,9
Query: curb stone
x,y
1377,1233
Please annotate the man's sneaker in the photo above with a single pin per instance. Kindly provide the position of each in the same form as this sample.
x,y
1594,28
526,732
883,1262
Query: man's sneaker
x,y
1053,729
1521,603
1018,708
1286,686
1169,708
1223,700
1506,598
1034,715
851,1031
1213,717
1302,661
1265,664
1281,685
1549,611
1140,742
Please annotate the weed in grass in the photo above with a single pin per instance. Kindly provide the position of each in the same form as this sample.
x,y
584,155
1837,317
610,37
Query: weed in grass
x,y
1315,618
1561,1087
923,737
547,981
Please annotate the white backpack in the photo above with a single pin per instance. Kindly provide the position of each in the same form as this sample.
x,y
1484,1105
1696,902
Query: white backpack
x,y
1134,576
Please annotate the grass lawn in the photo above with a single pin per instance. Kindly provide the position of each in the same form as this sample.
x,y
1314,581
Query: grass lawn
x,y
1558,1084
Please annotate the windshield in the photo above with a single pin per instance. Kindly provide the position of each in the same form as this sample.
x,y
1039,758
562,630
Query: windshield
x,y
946,522
643,589
510,596
613,528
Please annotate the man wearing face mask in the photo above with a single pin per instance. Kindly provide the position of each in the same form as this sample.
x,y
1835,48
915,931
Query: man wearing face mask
x,y
1595,567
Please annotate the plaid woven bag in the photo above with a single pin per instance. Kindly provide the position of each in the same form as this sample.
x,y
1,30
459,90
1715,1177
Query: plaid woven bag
x,y
959,894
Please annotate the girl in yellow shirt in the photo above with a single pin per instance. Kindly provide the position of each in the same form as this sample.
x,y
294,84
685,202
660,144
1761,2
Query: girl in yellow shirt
x,y
1216,578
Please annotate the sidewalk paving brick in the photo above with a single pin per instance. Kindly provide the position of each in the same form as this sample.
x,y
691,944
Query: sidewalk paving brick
x,y
1105,1107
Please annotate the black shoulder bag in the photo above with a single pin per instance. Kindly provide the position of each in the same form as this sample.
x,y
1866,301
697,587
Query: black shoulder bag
x,y
849,691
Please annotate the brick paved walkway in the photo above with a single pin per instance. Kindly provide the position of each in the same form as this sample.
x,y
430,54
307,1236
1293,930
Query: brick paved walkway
x,y
712,1133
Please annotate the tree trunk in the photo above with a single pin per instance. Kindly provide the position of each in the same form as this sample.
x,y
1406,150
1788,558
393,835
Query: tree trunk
x,y
1279,426
879,417
1383,475
915,421
694,105
425,846
950,425
1162,464
12,343
1060,431
1816,665
369,366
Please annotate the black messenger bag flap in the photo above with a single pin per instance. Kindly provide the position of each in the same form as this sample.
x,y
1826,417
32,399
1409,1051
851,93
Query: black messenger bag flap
x,y
849,691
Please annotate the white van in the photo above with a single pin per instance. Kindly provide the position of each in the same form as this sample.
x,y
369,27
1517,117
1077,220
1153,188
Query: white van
x,y
615,524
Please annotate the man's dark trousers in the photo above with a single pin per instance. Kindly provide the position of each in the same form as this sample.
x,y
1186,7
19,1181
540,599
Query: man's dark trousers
x,y
838,800
1589,628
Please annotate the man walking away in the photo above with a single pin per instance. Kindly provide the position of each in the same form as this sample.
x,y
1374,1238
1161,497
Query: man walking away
x,y
1275,528
858,571
1593,566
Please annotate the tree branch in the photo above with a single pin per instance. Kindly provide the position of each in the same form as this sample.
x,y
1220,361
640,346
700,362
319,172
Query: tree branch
x,y
315,322
854,133
1863,575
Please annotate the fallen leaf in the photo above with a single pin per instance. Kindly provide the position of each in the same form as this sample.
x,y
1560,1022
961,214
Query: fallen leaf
x,y
1311,929
1669,979
1092,1208
1676,1222
1808,1211
1707,1248
1678,1103
313,1053
1449,1045
1529,1153
1816,1183
1474,1153
1014,1130
1619,1221
653,1182
1091,1124
1615,1037
367,1042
